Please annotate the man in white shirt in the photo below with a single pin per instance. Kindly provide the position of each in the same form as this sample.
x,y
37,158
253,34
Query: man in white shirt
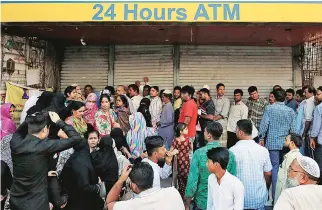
x,y
136,98
120,90
225,191
238,111
303,192
309,106
156,151
222,105
141,177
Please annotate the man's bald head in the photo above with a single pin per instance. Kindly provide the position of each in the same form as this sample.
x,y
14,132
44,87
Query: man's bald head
x,y
120,90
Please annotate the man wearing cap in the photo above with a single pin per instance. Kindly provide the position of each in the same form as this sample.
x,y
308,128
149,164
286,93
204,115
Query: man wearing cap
x,y
303,192
167,119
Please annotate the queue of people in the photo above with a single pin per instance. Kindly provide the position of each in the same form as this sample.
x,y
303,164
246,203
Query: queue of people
x,y
111,149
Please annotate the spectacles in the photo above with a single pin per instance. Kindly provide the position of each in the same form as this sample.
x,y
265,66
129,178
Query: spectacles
x,y
291,169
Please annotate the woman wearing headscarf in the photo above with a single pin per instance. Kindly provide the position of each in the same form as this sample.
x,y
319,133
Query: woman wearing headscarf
x,y
80,180
29,103
43,102
144,109
123,113
105,163
91,107
137,134
8,126
78,122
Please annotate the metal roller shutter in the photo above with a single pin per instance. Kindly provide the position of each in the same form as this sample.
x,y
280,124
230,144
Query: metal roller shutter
x,y
236,67
133,62
85,65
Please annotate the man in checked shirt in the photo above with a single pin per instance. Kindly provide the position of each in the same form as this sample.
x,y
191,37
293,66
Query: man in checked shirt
x,y
256,106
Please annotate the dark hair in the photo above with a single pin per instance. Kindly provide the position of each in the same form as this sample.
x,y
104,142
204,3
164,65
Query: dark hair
x,y
142,175
12,106
219,85
37,121
155,87
180,127
124,100
146,86
111,89
177,88
215,129
104,96
252,89
75,105
134,87
236,91
246,126
297,139
90,86
68,90
300,92
188,89
290,90
90,130
279,95
205,90
146,102
152,143
310,89
219,155
319,88
277,87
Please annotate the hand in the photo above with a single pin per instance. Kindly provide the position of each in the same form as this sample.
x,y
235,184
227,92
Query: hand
x,y
312,144
199,111
54,117
187,208
261,142
175,152
99,180
61,134
52,173
51,206
125,173
63,206
168,158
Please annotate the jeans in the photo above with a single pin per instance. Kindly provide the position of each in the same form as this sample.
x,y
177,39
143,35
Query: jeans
x,y
275,160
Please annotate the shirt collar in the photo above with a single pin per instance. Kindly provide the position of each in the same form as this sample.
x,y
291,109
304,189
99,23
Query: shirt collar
x,y
239,103
220,97
148,192
310,99
213,143
245,141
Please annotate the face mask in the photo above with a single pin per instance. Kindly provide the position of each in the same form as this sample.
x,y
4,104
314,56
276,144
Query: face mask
x,y
90,105
292,182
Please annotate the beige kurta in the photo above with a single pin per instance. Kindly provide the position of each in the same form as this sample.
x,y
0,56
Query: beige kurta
x,y
304,197
282,171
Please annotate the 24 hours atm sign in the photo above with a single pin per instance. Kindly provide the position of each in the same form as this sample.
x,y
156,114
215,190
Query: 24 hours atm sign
x,y
135,12
168,11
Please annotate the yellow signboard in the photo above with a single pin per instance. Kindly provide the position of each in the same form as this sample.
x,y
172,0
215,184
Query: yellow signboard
x,y
161,12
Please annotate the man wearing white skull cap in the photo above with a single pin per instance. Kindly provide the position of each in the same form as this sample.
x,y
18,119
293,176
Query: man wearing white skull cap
x,y
303,192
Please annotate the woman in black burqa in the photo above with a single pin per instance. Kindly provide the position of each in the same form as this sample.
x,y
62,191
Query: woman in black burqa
x,y
80,181
105,162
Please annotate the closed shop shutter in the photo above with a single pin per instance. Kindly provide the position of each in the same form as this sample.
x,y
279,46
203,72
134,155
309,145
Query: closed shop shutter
x,y
133,62
84,65
236,67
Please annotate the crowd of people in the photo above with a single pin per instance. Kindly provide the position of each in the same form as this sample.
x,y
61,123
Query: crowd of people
x,y
112,149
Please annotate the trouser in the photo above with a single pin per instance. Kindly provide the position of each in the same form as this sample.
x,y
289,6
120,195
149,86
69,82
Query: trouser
x,y
231,139
191,140
275,160
199,141
223,138
318,159
305,148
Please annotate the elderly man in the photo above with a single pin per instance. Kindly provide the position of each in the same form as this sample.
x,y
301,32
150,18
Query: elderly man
x,y
304,193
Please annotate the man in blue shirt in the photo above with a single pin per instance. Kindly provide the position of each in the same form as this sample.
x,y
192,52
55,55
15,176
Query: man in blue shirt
x,y
278,121
290,100
316,132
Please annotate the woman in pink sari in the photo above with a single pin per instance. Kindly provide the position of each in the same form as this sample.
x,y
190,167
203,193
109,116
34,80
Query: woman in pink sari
x,y
92,108
8,126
